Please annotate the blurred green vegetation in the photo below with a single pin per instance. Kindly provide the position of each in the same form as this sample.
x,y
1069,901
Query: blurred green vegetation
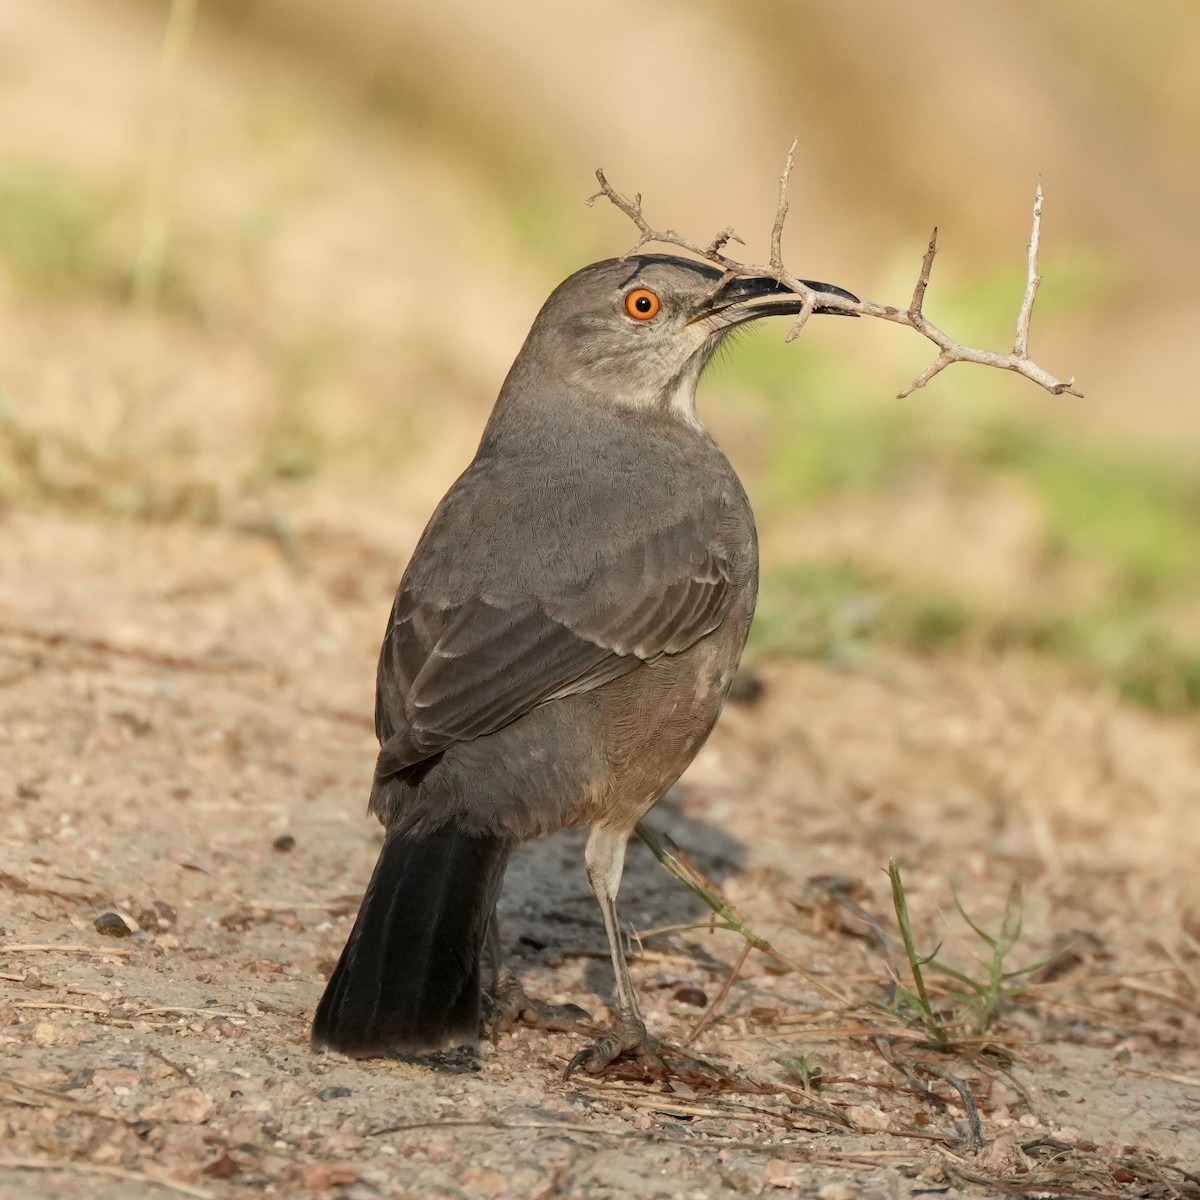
x,y
52,232
842,613
65,235
1125,520
985,303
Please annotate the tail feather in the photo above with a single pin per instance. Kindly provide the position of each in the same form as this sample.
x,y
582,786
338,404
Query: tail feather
x,y
408,979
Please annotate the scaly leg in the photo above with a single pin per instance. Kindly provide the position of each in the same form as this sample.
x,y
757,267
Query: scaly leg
x,y
605,858
510,1004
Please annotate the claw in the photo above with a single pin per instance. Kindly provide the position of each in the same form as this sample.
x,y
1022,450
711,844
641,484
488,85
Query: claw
x,y
628,1052
510,1005
626,1036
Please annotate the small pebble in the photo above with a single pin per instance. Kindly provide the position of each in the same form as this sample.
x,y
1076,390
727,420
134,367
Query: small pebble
x,y
283,843
837,1190
334,1093
112,924
220,1168
741,1174
187,1106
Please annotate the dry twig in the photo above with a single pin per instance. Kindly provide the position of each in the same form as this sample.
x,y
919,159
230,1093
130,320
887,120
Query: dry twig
x,y
909,1067
58,1006
17,884
71,1167
711,1011
796,1103
790,1151
63,948
679,865
949,351
102,646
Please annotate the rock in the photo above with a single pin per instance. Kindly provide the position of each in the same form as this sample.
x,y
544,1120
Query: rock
x,y
1003,1156
223,1167
45,1033
742,1174
480,1180
113,924
838,1190
867,1118
779,1173
188,1106
323,1176
105,1155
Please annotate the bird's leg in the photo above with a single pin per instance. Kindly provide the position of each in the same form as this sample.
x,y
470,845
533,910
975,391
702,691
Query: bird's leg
x,y
510,1004
605,858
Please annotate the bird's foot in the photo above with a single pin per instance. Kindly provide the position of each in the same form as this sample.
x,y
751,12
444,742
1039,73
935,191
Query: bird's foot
x,y
627,1036
510,1005
627,1051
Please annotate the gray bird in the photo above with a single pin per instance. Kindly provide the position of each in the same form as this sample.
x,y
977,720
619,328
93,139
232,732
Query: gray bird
x,y
560,647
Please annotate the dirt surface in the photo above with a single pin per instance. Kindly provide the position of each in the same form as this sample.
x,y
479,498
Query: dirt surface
x,y
185,734
185,742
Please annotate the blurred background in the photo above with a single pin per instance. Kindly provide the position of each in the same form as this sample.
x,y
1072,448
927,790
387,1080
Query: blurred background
x,y
264,263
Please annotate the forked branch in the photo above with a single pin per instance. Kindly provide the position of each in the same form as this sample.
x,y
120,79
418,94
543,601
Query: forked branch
x,y
949,351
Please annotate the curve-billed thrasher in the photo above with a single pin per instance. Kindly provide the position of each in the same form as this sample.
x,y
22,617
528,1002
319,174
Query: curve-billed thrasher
x,y
560,646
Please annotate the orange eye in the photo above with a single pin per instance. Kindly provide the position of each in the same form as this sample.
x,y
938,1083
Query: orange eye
x,y
642,304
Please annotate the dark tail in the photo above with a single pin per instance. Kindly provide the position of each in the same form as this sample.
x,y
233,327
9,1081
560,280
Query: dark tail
x,y
408,979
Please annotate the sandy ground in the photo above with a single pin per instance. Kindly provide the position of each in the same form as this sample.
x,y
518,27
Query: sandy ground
x,y
185,735
184,740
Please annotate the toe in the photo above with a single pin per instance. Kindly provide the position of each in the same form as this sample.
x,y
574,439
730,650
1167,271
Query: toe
x,y
557,1018
594,1058
510,1005
624,1037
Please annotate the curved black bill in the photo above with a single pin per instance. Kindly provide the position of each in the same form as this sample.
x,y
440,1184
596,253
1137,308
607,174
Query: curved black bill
x,y
756,296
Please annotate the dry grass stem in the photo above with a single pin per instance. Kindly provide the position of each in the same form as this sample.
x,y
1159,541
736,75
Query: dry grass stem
x,y
64,948
73,642
1183,1080
799,1103
204,1012
71,1167
52,1005
156,206
675,861
849,1031
657,1102
975,1139
182,1072
1187,1003
719,999
17,884
792,1151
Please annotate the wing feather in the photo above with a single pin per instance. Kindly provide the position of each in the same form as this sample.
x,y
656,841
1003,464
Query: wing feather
x,y
454,671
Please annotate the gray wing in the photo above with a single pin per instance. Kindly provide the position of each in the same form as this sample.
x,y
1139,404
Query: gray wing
x,y
451,672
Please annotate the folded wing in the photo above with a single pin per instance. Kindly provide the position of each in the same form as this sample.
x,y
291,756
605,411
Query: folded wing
x,y
454,671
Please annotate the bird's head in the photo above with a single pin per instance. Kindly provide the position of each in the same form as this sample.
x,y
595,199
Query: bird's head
x,y
638,331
